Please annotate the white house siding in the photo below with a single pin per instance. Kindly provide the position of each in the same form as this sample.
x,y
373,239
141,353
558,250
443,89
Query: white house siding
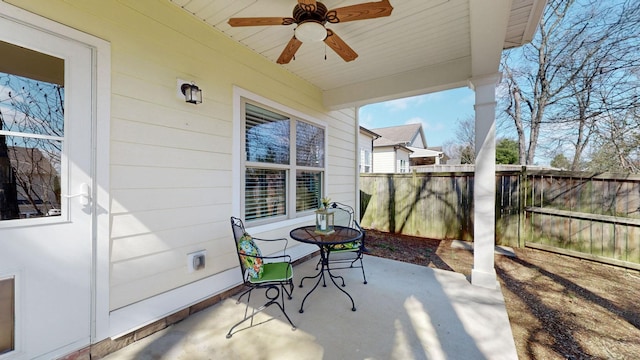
x,y
387,159
343,159
417,142
384,160
171,162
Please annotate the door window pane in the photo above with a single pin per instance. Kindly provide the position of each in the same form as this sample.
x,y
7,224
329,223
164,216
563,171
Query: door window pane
x,y
35,164
31,138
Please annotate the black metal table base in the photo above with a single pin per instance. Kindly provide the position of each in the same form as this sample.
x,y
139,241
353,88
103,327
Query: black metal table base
x,y
324,260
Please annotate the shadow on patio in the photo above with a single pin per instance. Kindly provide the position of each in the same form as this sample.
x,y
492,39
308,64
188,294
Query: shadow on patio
x,y
404,312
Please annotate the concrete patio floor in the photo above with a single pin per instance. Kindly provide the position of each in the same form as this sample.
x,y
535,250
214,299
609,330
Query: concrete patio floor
x,y
404,312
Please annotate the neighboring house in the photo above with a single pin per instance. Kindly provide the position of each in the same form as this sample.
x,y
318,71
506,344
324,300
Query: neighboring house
x,y
399,149
147,178
365,143
390,156
428,157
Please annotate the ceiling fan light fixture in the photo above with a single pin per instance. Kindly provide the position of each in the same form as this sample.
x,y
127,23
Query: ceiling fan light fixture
x,y
310,31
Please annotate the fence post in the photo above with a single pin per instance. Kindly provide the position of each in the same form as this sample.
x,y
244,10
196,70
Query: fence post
x,y
414,226
522,188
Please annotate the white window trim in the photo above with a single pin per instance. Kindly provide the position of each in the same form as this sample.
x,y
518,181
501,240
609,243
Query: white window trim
x,y
237,160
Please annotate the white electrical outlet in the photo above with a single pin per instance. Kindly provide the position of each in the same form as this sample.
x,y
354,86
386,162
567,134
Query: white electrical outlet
x,y
196,260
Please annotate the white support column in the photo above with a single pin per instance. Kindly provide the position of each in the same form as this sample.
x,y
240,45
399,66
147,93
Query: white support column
x,y
484,189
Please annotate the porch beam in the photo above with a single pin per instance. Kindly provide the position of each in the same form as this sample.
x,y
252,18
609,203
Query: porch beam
x,y
425,80
484,186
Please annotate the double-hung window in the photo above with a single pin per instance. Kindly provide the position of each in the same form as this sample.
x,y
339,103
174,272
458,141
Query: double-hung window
x,y
365,161
403,166
283,166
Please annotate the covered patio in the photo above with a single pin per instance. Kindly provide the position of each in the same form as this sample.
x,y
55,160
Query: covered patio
x,y
150,176
404,312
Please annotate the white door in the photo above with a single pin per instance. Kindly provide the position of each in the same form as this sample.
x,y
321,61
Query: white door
x,y
45,193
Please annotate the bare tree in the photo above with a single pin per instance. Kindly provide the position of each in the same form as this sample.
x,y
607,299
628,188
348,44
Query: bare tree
x,y
617,144
514,109
463,147
581,65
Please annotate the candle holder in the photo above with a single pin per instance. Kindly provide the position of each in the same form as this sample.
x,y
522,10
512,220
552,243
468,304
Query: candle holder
x,y
324,221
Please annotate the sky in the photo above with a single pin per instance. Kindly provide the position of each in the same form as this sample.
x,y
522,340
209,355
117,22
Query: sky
x,y
438,113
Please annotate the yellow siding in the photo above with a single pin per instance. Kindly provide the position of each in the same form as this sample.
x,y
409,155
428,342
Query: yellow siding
x,y
171,164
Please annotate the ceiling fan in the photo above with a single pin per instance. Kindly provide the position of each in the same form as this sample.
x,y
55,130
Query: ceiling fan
x,y
311,17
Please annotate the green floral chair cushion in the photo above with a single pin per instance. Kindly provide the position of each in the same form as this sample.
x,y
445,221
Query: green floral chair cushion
x,y
354,245
250,256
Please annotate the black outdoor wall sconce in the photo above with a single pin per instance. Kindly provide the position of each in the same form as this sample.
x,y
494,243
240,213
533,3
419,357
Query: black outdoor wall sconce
x,y
192,93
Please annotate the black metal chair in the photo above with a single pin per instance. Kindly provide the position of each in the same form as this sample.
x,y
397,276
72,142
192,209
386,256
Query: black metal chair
x,y
348,255
272,273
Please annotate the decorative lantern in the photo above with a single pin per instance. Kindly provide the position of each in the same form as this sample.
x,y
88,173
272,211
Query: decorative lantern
x,y
192,93
324,221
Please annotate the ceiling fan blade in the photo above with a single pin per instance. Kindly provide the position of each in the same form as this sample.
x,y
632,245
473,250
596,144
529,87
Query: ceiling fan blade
x,y
308,5
261,21
289,51
362,11
339,46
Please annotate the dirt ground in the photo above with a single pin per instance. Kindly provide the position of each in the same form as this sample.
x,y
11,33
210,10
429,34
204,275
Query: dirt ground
x,y
559,307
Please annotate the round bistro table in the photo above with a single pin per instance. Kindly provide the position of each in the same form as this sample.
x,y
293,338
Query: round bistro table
x,y
326,242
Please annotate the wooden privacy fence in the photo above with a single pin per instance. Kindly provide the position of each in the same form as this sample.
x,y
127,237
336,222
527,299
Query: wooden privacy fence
x,y
595,216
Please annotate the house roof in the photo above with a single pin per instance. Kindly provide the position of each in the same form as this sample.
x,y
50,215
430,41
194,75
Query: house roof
x,y
424,46
369,133
394,146
403,134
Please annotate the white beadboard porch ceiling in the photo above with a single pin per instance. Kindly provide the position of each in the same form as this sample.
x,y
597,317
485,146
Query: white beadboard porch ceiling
x,y
424,46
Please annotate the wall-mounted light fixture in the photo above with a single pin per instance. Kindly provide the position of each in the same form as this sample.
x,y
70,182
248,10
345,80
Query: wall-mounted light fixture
x,y
192,93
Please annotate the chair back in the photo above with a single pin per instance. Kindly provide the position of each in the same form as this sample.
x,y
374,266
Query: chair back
x,y
237,227
343,214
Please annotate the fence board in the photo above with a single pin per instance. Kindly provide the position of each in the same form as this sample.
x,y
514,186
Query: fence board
x,y
597,215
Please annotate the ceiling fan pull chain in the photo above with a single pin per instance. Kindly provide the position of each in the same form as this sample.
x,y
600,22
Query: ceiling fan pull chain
x,y
325,52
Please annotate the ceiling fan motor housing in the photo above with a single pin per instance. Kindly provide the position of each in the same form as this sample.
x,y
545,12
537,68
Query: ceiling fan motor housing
x,y
305,13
